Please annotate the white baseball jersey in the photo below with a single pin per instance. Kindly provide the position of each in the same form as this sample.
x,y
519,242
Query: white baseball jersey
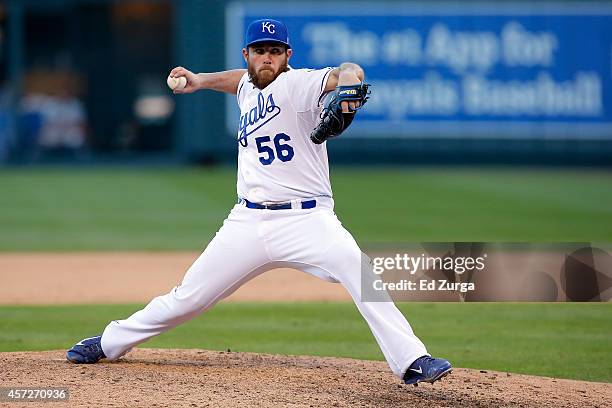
x,y
277,161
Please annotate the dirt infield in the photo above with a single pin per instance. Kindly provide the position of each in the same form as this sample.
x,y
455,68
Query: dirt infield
x,y
135,277
190,378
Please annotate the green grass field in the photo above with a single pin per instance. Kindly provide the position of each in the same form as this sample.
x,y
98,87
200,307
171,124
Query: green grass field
x,y
559,340
175,208
73,209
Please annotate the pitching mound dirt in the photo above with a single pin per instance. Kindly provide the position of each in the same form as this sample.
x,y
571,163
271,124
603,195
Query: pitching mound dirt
x,y
190,378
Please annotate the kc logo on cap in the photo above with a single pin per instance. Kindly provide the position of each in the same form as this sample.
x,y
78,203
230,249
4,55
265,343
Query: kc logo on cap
x,y
266,25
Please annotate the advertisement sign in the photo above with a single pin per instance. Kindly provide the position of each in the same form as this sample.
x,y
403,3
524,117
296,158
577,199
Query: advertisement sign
x,y
467,70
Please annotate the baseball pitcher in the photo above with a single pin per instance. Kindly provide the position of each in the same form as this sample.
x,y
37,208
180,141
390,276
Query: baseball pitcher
x,y
284,216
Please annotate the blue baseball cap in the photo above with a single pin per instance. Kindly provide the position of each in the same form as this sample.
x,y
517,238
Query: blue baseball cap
x,y
267,30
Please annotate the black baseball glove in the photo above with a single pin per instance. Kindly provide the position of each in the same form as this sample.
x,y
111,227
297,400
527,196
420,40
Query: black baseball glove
x,y
333,120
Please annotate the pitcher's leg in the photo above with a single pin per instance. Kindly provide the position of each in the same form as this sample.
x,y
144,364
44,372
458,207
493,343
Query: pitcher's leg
x,y
332,251
400,346
221,269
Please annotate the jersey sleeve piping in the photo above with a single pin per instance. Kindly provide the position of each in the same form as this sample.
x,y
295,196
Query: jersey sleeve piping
x,y
322,92
240,85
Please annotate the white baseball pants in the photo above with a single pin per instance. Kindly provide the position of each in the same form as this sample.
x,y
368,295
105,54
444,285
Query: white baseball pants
x,y
252,241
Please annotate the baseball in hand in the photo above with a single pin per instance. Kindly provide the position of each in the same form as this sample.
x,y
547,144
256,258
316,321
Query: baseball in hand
x,y
176,83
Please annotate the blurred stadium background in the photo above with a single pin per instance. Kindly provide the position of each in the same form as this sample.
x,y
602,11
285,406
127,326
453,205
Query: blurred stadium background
x,y
488,121
455,82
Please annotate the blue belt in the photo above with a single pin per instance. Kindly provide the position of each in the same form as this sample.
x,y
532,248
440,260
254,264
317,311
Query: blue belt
x,y
286,206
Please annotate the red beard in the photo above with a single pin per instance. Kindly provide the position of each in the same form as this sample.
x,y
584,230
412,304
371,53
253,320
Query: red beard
x,y
266,76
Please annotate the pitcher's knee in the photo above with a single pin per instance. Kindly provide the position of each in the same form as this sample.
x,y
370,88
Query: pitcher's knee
x,y
171,308
183,306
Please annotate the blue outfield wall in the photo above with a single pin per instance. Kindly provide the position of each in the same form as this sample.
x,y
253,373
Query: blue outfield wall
x,y
496,80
